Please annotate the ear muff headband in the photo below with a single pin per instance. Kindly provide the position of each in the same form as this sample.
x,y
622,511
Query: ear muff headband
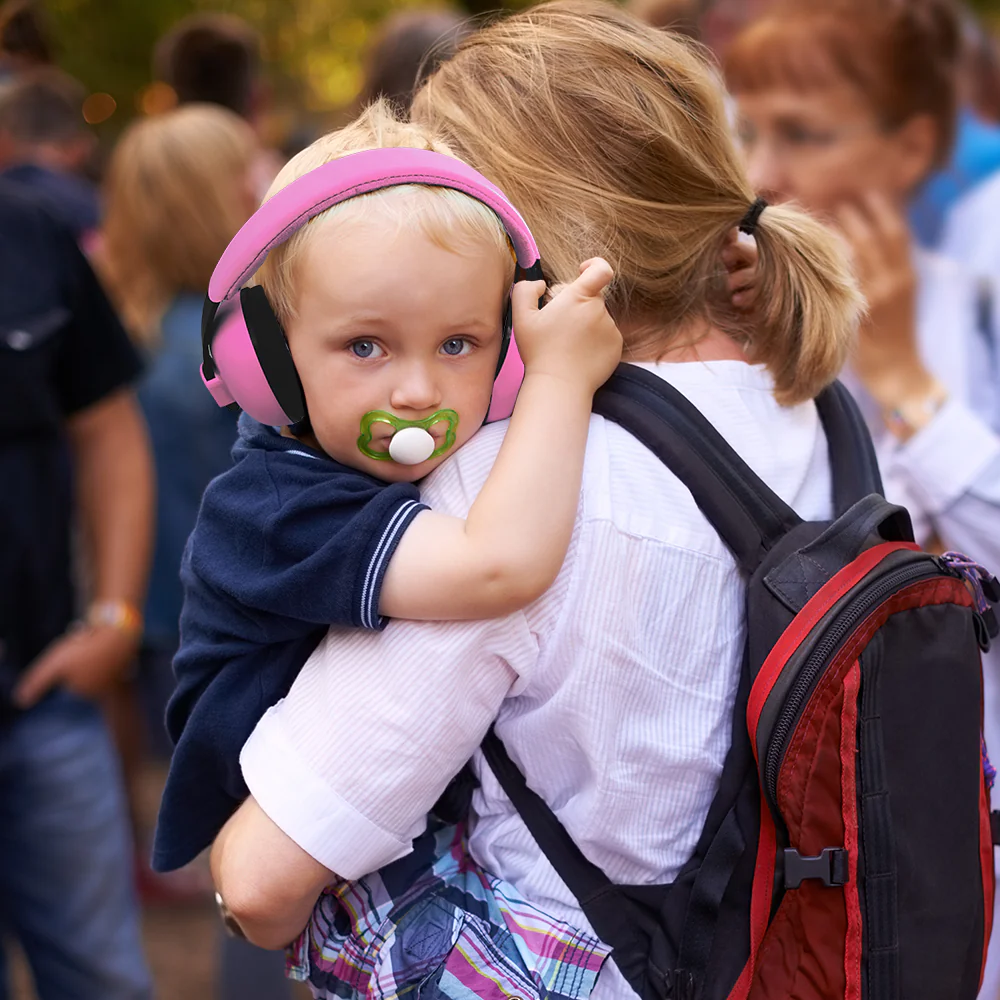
x,y
254,368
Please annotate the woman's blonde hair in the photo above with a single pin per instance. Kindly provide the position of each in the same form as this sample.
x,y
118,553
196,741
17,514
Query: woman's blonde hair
x,y
449,218
176,192
611,138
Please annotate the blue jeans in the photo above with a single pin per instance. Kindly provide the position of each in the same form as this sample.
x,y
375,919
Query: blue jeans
x,y
247,973
66,877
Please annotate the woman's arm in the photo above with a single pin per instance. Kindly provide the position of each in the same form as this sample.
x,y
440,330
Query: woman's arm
x,y
373,729
946,456
951,468
115,498
269,884
509,549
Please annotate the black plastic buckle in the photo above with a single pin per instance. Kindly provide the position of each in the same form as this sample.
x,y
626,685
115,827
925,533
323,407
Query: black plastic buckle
x,y
831,865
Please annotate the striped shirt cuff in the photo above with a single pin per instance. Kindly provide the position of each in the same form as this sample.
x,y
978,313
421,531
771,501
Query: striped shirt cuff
x,y
315,816
372,587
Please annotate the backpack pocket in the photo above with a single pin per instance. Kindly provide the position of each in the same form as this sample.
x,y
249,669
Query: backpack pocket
x,y
875,783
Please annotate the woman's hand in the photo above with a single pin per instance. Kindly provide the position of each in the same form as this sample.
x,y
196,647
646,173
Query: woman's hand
x,y
887,359
572,337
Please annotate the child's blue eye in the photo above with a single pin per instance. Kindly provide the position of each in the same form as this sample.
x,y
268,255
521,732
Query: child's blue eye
x,y
455,346
365,349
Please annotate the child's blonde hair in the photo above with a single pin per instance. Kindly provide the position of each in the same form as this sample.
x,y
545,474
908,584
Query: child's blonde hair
x,y
176,192
449,218
611,138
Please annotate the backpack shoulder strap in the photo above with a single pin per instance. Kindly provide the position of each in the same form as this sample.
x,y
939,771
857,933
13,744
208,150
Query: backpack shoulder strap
x,y
853,465
748,515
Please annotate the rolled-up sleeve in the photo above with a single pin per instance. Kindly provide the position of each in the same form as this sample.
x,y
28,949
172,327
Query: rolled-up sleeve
x,y
948,456
376,725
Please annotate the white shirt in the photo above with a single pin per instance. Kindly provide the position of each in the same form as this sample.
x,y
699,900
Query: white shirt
x,y
971,234
613,691
948,474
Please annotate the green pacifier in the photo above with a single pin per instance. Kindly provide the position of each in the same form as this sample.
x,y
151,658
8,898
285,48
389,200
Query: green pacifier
x,y
411,442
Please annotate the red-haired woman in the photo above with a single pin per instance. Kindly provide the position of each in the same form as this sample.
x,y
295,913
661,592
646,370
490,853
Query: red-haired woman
x,y
846,108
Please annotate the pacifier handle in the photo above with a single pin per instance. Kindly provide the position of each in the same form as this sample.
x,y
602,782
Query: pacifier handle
x,y
411,446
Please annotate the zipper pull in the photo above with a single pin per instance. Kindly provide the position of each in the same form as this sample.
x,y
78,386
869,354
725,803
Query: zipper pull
x,y
985,593
984,586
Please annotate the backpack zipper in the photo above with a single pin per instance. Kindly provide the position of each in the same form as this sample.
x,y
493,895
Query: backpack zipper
x,y
923,567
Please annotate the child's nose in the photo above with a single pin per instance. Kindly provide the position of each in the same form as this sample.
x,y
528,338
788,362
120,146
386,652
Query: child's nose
x,y
416,389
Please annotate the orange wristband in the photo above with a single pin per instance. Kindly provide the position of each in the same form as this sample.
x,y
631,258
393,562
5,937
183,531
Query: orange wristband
x,y
120,615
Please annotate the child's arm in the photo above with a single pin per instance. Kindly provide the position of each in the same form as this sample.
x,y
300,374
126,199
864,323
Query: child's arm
x,y
509,549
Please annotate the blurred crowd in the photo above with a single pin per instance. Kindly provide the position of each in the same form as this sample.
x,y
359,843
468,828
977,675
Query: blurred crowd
x,y
888,129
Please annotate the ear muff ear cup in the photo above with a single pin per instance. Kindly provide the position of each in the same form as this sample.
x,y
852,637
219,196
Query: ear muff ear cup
x,y
510,367
271,348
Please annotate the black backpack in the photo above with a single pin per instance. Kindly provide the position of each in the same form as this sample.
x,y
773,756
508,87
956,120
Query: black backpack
x,y
848,851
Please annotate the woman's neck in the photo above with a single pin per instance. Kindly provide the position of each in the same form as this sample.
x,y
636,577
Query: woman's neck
x,y
697,340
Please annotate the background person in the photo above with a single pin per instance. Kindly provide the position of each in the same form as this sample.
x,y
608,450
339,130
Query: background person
x,y
846,109
72,447
178,187
45,145
214,58
407,48
25,39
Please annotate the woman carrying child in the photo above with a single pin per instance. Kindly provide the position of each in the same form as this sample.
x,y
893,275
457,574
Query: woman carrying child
x,y
614,690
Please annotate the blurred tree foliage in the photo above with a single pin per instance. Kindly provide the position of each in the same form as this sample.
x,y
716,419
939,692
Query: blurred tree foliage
x,y
313,48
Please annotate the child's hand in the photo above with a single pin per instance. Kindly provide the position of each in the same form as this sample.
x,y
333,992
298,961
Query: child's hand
x,y
572,337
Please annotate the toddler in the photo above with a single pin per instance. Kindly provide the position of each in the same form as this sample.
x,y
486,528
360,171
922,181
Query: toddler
x,y
392,305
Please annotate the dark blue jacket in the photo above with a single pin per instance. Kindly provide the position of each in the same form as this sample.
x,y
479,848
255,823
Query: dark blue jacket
x,y
62,350
287,543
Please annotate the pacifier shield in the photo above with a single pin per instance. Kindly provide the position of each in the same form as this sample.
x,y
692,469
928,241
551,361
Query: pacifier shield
x,y
412,442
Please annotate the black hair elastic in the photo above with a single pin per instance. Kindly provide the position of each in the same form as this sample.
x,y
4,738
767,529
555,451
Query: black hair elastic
x,y
749,221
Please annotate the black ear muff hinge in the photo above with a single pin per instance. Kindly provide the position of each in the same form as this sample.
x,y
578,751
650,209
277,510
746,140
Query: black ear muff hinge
x,y
531,273
209,312
268,339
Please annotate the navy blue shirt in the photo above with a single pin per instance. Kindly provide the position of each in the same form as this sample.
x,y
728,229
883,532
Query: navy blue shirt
x,y
71,199
62,349
287,543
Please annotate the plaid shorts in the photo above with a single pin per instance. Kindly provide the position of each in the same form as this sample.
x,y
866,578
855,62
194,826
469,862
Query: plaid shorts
x,y
433,925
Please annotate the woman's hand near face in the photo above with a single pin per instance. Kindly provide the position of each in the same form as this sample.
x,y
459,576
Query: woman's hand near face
x,y
886,359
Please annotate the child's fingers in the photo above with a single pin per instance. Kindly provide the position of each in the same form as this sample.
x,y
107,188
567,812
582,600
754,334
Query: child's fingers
x,y
526,295
595,276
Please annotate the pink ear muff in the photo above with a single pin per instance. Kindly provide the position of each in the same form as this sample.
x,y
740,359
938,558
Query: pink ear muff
x,y
233,354
240,376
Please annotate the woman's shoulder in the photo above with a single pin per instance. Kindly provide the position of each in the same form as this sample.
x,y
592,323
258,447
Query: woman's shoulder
x,y
453,486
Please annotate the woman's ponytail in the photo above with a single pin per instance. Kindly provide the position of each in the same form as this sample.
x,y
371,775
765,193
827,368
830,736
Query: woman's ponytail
x,y
807,303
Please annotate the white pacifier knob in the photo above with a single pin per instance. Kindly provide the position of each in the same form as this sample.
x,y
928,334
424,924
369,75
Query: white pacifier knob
x,y
411,446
